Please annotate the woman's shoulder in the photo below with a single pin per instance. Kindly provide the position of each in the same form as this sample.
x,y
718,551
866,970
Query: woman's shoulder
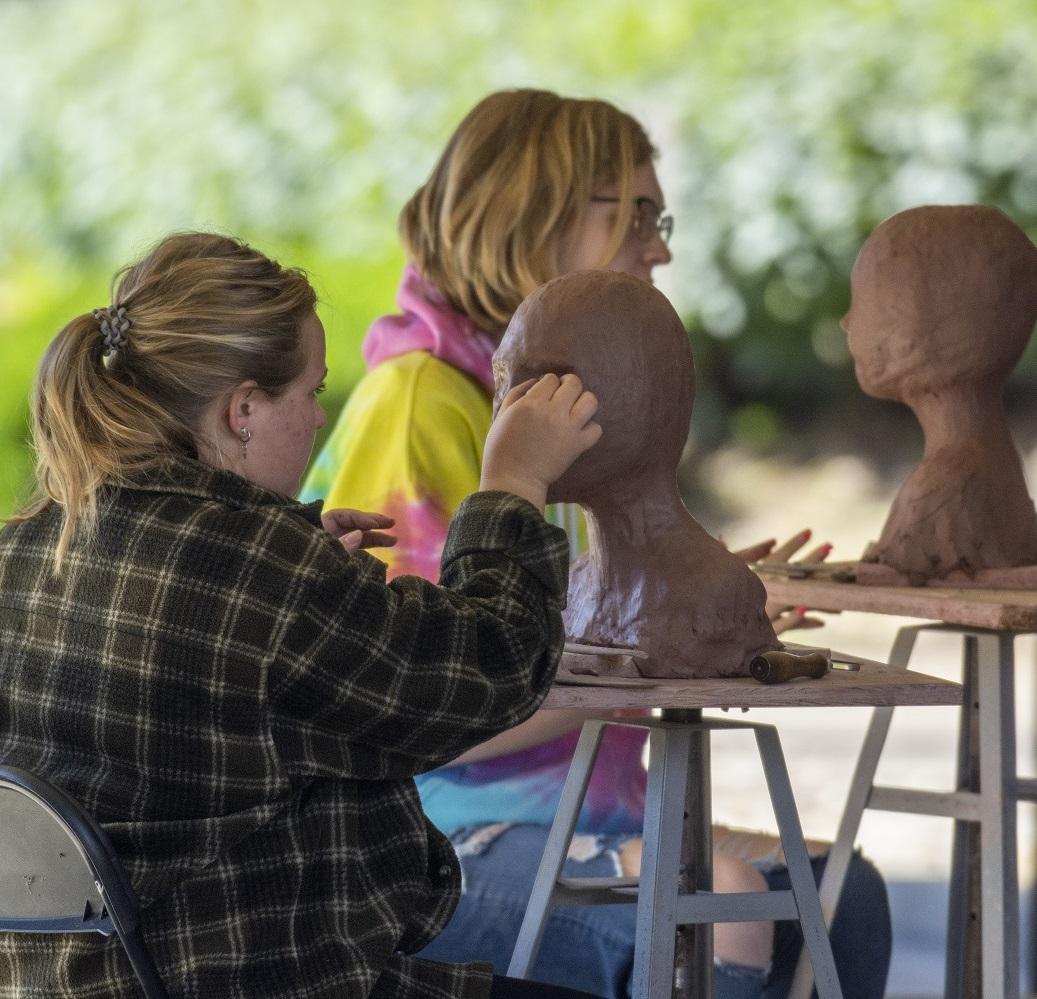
x,y
418,374
201,552
405,399
218,521
405,419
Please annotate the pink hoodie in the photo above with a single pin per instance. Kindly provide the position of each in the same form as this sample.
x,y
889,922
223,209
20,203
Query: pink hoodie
x,y
429,323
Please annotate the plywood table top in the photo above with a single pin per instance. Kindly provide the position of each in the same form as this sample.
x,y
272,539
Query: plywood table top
x,y
1000,610
876,684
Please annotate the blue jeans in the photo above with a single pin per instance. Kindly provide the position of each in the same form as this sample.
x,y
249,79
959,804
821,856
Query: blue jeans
x,y
592,947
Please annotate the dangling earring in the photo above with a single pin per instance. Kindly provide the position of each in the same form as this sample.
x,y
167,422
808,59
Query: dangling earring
x,y
246,435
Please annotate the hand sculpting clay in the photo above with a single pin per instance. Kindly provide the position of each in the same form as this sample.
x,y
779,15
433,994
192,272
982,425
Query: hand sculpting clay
x,y
943,303
653,578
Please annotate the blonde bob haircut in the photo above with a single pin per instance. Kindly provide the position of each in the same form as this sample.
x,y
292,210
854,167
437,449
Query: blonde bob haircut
x,y
520,169
206,313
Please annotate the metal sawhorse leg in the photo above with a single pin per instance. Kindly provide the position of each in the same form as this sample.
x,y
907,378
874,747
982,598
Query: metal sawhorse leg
x,y
984,876
673,949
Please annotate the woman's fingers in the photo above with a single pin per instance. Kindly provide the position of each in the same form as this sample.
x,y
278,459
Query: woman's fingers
x,y
544,387
378,539
819,554
354,540
785,551
590,435
766,551
785,618
343,520
370,521
797,618
584,407
515,393
351,541
754,553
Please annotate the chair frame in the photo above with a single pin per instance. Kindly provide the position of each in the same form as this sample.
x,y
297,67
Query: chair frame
x,y
119,911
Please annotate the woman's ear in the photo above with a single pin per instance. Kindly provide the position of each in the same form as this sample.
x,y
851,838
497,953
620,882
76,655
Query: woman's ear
x,y
240,407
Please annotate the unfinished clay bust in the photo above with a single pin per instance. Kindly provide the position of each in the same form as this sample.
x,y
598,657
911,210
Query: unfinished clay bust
x,y
652,578
943,303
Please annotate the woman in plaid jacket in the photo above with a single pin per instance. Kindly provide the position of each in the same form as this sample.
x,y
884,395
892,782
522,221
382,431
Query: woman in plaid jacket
x,y
224,679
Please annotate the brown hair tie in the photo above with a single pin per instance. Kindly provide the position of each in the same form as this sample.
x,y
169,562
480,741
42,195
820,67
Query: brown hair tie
x,y
115,327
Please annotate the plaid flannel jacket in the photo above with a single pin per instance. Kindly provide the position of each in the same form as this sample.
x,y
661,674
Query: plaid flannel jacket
x,y
243,705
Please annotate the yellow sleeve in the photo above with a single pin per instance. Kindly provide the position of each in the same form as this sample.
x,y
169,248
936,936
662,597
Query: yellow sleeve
x,y
409,443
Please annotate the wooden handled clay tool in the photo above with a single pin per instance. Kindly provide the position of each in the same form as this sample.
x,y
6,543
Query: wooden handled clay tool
x,y
604,650
779,666
589,676
837,572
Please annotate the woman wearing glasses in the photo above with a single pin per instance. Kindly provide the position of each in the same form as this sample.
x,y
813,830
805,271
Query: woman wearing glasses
x,y
530,186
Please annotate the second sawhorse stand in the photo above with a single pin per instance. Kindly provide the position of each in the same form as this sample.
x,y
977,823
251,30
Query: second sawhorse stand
x,y
983,923
675,904
673,951
984,883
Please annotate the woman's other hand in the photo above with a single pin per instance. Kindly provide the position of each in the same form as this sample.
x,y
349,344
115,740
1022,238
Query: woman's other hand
x,y
357,529
765,551
785,618
541,428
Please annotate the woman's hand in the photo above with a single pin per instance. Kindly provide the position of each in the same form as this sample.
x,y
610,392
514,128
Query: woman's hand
x,y
785,618
356,529
764,551
541,428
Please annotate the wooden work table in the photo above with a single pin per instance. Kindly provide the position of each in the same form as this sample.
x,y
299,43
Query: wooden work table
x,y
875,685
998,610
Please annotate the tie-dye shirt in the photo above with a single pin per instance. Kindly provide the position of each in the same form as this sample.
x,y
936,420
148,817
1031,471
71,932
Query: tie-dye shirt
x,y
409,443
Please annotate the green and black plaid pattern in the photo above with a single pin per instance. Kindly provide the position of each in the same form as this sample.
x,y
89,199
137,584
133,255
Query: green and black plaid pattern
x,y
243,705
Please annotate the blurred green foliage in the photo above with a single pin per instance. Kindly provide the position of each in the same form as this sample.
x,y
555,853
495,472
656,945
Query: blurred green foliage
x,y
787,129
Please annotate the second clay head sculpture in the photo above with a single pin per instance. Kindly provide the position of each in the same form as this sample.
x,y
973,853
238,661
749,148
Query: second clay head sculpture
x,y
943,302
652,577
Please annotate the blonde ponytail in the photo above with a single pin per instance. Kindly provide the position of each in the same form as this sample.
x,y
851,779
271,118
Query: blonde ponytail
x,y
121,390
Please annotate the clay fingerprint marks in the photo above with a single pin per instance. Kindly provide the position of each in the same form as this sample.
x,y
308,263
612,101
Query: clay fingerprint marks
x,y
943,303
652,578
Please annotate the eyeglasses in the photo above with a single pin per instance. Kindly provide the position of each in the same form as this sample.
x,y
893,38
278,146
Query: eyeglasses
x,y
648,219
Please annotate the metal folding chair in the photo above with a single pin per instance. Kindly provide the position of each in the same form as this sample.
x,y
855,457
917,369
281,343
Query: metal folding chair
x,y
59,872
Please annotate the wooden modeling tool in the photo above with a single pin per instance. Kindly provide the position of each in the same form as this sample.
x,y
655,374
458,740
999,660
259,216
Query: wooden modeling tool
x,y
837,572
779,667
579,648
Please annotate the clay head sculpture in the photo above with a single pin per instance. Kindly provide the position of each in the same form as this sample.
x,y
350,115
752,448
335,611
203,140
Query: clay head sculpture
x,y
944,299
652,578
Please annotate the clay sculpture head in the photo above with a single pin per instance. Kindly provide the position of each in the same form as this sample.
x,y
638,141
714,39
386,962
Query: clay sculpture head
x,y
619,333
944,299
652,578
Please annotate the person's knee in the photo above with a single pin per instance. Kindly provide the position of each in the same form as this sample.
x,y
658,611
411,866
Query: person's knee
x,y
747,945
732,874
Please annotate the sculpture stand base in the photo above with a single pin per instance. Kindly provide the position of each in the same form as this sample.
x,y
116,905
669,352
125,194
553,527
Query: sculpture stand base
x,y
1023,577
673,950
983,921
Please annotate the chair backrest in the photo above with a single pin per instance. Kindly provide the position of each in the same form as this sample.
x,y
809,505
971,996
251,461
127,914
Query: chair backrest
x,y
60,874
